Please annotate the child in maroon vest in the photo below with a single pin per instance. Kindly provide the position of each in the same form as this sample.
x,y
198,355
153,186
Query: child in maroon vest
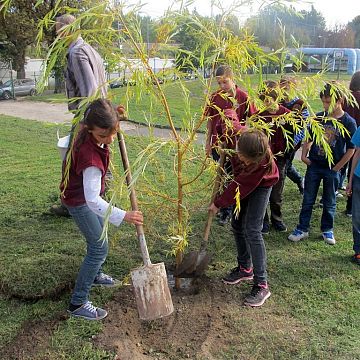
x,y
274,115
81,194
226,110
255,173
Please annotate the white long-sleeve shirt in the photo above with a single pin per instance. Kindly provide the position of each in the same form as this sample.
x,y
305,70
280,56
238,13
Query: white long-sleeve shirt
x,y
92,188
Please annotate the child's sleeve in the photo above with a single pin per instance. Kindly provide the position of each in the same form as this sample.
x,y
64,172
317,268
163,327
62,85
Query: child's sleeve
x,y
92,187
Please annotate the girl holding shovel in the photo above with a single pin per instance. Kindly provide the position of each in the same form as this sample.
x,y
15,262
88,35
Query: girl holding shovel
x,y
81,194
255,172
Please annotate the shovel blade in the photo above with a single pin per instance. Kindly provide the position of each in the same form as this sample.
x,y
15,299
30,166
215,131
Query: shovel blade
x,y
202,263
194,264
187,265
152,294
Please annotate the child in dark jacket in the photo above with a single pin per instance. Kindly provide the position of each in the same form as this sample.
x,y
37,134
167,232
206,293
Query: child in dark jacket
x,y
320,169
255,172
298,107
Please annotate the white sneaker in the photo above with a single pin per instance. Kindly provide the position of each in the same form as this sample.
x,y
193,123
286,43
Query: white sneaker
x,y
339,195
298,235
328,237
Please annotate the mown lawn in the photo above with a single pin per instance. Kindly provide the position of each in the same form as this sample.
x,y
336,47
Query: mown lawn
x,y
314,286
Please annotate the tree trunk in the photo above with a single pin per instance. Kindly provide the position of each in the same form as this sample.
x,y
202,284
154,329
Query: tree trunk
x,y
19,61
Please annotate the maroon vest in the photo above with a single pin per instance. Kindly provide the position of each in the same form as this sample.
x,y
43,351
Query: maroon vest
x,y
84,155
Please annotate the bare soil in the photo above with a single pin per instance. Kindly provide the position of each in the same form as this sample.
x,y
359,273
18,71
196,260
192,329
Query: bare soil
x,y
206,323
209,322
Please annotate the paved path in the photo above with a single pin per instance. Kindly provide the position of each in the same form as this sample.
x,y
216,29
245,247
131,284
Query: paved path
x,y
58,113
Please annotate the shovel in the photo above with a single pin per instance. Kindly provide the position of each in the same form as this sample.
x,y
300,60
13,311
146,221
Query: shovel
x,y
150,283
195,263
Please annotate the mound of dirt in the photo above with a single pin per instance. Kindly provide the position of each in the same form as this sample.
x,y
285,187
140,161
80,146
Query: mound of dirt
x,y
195,328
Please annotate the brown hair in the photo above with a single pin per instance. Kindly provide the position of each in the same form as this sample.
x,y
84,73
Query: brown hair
x,y
100,113
65,19
224,70
254,145
269,88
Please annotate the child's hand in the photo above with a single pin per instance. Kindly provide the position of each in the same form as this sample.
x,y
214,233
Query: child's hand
x,y
134,217
349,189
213,208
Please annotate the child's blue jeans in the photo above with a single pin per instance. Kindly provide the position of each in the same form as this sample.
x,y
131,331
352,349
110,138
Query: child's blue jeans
x,y
247,232
356,213
314,175
91,227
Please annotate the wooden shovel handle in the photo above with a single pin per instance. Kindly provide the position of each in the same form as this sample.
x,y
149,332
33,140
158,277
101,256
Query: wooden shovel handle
x,y
216,188
133,198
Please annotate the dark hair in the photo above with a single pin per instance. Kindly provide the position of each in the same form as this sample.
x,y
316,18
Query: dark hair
x,y
100,113
330,90
254,145
269,88
224,70
355,82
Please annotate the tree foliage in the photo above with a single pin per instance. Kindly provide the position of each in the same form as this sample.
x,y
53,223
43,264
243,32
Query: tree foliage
x,y
304,26
19,20
355,27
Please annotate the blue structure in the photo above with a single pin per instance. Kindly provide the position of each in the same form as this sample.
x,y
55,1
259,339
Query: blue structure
x,y
358,59
352,55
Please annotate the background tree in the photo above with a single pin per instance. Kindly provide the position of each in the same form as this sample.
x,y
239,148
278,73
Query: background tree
x,y
355,27
267,25
340,36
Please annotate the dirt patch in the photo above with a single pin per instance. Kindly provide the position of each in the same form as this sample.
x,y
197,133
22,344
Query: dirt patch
x,y
209,320
33,339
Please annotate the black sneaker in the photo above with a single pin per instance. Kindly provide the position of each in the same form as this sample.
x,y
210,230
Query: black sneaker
x,y
279,226
266,228
60,210
223,219
259,294
238,274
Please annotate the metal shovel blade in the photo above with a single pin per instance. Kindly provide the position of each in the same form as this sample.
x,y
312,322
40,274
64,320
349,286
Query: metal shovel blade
x,y
152,294
194,264
187,264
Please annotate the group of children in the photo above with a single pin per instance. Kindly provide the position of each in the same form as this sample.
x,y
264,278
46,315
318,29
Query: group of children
x,y
260,167
260,147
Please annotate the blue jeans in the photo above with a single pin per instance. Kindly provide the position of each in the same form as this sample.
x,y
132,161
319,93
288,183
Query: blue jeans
x,y
91,226
313,177
247,232
356,213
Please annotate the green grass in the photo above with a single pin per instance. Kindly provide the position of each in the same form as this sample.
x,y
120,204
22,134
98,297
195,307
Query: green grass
x,y
313,313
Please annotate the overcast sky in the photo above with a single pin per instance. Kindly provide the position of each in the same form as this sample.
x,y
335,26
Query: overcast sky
x,y
335,12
